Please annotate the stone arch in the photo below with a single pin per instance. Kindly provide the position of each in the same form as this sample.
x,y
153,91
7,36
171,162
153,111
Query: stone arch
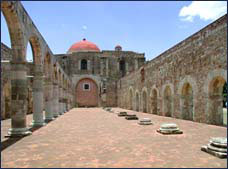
x,y
87,96
167,100
47,66
137,100
36,49
187,91
15,28
213,89
144,100
130,98
187,102
154,100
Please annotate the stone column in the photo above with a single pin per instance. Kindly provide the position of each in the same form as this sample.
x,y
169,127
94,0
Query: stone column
x,y
38,95
64,103
3,112
60,100
19,101
48,101
55,100
65,97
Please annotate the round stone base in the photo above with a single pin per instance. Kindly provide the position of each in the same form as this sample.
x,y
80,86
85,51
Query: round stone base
x,y
144,123
18,132
37,124
219,142
121,114
55,116
162,131
211,147
214,153
49,119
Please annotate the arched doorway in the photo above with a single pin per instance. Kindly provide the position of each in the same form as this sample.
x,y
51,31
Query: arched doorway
x,y
187,102
137,101
86,93
144,102
216,97
167,102
154,104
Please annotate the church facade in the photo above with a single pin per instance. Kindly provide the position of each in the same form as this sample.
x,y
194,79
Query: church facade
x,y
95,73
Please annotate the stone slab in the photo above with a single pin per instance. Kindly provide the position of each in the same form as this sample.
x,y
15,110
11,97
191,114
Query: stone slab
x,y
214,153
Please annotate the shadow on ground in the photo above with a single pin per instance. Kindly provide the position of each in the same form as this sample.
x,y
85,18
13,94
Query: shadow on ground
x,y
12,140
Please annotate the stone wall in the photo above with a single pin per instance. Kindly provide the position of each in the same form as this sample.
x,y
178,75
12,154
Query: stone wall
x,y
183,78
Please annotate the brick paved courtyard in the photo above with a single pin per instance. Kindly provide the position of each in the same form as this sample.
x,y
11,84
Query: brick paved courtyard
x,y
92,137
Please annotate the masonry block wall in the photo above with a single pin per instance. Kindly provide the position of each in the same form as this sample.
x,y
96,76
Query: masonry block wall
x,y
183,82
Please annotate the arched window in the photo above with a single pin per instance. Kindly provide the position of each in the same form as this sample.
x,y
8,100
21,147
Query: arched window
x,y
122,67
83,64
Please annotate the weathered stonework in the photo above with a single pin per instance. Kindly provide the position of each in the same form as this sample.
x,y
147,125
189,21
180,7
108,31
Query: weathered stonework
x,y
181,82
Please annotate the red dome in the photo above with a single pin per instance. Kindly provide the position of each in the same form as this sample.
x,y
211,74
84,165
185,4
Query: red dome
x,y
83,45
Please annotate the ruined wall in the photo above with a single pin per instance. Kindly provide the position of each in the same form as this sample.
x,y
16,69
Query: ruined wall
x,y
185,71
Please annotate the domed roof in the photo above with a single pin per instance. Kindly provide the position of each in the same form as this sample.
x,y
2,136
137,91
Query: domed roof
x,y
83,46
118,48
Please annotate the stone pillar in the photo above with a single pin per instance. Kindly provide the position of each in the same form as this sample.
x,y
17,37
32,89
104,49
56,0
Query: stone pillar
x,y
63,100
19,101
37,93
60,100
48,101
64,103
3,112
55,100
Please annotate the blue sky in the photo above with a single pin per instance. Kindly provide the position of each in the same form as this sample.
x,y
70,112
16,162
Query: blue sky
x,y
145,27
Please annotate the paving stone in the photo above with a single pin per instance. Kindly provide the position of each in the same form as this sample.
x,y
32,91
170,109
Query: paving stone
x,y
90,137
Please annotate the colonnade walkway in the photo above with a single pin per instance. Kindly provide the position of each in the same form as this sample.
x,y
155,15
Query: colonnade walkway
x,y
93,137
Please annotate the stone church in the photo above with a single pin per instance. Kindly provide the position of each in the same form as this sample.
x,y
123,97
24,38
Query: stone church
x,y
186,81
95,72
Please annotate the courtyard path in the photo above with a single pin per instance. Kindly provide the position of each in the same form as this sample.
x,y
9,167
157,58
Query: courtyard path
x,y
92,137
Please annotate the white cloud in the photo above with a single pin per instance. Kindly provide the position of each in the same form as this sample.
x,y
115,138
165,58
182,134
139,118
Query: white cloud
x,y
84,27
206,10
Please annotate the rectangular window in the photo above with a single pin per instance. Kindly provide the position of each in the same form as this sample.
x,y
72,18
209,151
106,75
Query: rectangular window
x,y
86,87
